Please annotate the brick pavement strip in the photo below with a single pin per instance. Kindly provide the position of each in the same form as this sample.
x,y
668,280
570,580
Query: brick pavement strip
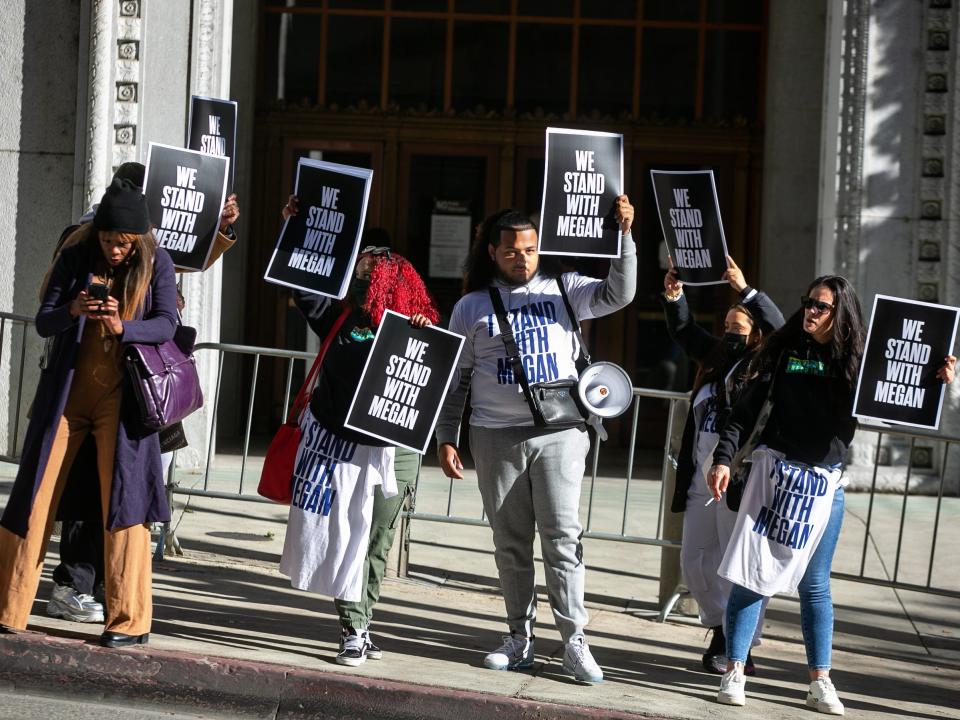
x,y
39,662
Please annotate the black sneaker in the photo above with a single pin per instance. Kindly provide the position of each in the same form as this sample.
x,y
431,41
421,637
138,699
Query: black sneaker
x,y
353,648
373,652
748,666
715,656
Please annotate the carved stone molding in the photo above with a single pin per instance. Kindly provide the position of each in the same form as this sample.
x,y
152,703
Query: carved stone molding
x,y
98,128
853,101
126,108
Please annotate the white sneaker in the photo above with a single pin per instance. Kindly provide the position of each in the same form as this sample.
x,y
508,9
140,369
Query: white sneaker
x,y
67,603
578,661
353,648
516,653
732,686
822,695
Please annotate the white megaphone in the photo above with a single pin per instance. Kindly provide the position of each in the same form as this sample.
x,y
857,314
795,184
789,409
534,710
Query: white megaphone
x,y
605,389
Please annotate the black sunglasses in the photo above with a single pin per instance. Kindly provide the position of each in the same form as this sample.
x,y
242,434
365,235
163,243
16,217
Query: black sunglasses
x,y
810,304
376,250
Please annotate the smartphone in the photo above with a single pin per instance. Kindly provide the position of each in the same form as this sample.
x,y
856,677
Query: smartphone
x,y
98,291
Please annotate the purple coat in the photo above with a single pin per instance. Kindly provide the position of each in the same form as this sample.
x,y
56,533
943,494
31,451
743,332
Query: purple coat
x,y
137,495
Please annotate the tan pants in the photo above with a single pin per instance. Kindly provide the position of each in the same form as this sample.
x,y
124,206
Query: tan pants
x,y
126,551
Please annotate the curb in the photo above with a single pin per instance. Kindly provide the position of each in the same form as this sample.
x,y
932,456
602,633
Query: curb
x,y
67,666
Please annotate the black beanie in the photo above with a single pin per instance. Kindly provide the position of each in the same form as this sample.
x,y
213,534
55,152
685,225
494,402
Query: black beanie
x,y
122,209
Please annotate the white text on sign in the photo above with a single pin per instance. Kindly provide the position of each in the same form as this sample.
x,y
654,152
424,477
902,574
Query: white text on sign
x,y
324,223
405,377
905,357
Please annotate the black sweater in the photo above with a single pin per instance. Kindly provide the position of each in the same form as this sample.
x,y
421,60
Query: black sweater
x,y
342,365
811,421
697,343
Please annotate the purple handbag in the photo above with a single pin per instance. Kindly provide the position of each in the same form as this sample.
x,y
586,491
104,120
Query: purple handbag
x,y
164,378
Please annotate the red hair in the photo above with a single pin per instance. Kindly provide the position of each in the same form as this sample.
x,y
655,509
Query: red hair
x,y
396,285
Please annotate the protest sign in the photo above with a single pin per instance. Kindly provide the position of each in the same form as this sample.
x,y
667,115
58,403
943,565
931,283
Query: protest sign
x,y
906,344
692,228
212,129
582,177
404,382
318,246
185,192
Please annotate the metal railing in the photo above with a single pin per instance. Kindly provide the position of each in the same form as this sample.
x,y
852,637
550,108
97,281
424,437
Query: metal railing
x,y
655,537
874,503
9,323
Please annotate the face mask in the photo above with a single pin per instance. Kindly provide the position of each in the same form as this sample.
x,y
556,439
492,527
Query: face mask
x,y
735,344
358,290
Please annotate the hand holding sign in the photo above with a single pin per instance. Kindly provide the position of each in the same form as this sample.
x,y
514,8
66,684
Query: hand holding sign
x,y
946,371
230,213
734,276
623,212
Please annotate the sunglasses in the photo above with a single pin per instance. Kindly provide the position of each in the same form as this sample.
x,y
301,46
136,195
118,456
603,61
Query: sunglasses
x,y
376,251
816,305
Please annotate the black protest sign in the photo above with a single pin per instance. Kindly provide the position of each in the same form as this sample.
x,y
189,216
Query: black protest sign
x,y
582,177
906,345
690,218
318,246
212,129
185,192
404,382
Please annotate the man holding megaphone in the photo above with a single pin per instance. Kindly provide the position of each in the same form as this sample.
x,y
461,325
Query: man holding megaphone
x,y
530,466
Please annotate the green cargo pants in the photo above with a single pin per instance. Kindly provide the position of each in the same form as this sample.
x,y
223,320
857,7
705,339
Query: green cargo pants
x,y
386,514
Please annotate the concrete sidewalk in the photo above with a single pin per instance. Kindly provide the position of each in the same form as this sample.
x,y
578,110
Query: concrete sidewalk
x,y
230,636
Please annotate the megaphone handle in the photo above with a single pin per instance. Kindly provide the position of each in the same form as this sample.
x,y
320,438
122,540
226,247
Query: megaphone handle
x,y
597,424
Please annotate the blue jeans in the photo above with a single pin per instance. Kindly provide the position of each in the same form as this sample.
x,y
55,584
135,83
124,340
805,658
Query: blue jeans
x,y
816,605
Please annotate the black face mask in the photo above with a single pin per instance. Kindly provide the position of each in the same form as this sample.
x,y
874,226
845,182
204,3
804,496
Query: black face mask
x,y
735,344
358,290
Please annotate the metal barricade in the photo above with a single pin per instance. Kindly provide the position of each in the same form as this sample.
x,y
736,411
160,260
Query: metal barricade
x,y
16,330
914,539
654,537
941,445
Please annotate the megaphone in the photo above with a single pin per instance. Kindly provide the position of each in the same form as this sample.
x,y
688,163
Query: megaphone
x,y
605,389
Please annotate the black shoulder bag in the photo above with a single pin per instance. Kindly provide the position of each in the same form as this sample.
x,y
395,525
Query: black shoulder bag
x,y
740,465
553,404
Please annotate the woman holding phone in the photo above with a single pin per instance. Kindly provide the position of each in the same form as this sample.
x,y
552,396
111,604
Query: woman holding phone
x,y
111,285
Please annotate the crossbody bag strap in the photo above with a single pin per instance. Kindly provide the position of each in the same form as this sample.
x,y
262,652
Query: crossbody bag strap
x,y
762,417
303,396
510,343
584,355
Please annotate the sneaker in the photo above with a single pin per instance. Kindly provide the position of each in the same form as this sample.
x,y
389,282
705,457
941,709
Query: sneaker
x,y
822,695
732,688
67,603
373,652
749,669
578,661
715,656
353,648
516,653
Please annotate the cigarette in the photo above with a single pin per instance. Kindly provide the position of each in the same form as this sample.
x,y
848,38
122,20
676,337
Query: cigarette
x,y
707,503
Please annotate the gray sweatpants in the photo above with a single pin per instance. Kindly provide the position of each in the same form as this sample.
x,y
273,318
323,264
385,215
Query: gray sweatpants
x,y
530,477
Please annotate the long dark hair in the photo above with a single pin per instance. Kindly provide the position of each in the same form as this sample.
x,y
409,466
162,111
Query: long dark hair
x,y
846,340
480,269
133,276
717,362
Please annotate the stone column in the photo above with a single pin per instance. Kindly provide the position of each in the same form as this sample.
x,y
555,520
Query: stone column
x,y
209,75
